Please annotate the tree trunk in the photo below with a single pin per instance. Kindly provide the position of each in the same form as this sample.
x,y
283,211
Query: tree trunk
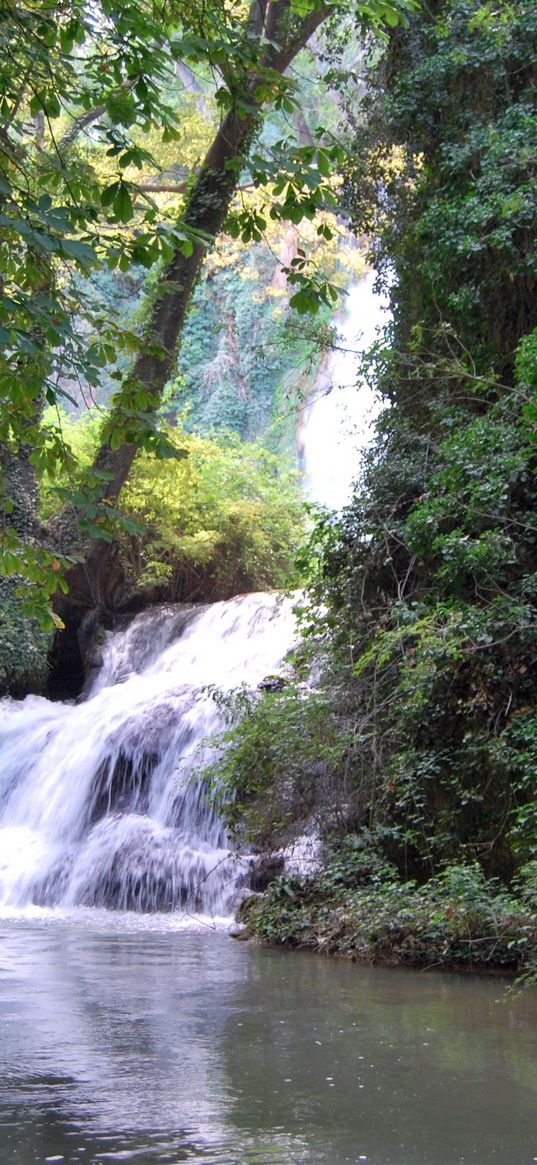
x,y
94,582
206,211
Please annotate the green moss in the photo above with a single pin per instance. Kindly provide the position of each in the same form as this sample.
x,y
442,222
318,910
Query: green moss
x,y
23,646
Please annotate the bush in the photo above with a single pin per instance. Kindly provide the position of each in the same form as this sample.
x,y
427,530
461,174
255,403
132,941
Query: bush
x,y
459,919
23,646
282,764
216,517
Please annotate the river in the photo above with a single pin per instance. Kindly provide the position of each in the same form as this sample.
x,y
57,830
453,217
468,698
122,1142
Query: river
x,y
139,1040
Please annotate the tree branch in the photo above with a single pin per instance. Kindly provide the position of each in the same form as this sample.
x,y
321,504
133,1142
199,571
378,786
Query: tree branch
x,y
156,187
257,17
78,125
308,26
88,118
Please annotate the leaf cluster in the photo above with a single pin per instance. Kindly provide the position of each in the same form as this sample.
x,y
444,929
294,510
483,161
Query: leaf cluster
x,y
216,516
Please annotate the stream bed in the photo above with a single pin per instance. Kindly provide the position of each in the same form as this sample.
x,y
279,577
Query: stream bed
x,y
128,1038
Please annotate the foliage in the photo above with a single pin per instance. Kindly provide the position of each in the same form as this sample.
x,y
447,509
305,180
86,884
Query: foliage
x,y
23,646
282,763
217,517
429,577
110,71
62,73
423,727
359,908
430,580
421,615
444,170
242,364
228,512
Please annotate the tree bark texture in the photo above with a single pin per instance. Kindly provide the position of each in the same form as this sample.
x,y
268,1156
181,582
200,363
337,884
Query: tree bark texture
x,y
94,581
206,211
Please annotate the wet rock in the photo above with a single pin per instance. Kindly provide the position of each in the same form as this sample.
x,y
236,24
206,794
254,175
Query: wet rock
x,y
239,931
272,684
265,870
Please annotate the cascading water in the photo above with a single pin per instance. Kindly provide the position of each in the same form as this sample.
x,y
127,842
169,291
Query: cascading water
x,y
97,802
336,420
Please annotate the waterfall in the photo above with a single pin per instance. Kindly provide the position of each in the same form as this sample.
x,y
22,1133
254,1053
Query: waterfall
x,y
336,421
99,801
101,804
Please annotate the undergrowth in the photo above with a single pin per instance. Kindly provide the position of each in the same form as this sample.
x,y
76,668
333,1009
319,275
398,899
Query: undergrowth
x,y
359,908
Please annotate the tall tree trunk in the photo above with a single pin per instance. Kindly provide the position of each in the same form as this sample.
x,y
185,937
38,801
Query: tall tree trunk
x,y
92,582
206,211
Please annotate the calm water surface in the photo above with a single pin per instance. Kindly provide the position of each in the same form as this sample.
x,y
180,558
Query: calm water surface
x,y
142,1042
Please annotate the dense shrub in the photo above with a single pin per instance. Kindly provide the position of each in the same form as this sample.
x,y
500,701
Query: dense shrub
x,y
218,516
23,646
422,624
359,908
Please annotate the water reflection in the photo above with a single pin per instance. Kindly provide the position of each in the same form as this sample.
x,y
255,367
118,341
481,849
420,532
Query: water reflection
x,y
392,1067
174,1046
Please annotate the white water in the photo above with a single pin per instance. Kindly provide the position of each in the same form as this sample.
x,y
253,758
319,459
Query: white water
x,y
98,806
337,420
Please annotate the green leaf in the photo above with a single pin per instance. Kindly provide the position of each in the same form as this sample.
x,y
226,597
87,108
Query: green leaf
x,y
305,302
120,107
66,41
109,193
80,251
123,208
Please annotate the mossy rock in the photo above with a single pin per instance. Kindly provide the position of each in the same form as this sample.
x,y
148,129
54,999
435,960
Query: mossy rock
x,y
23,647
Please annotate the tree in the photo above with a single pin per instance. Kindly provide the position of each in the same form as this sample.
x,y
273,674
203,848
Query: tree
x,y
429,577
65,70
105,71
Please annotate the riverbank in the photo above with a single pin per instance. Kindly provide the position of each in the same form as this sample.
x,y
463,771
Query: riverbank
x,y
459,920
